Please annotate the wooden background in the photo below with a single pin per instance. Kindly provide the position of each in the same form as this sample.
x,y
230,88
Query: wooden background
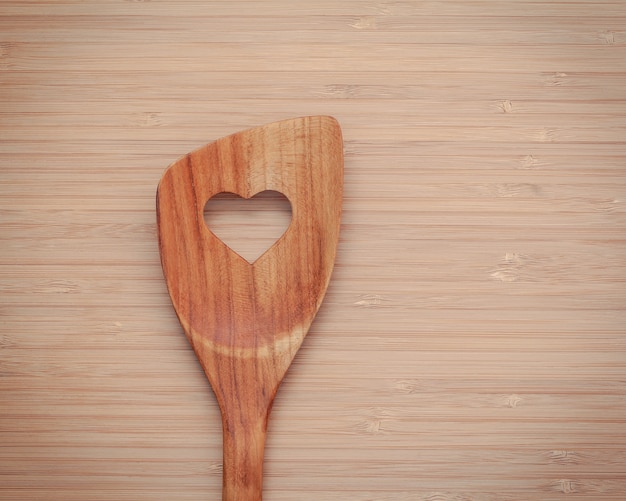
x,y
472,346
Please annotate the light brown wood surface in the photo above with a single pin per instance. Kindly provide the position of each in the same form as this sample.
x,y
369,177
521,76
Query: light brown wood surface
x,y
472,344
246,320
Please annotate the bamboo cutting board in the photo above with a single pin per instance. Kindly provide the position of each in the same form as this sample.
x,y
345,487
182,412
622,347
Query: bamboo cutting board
x,y
472,344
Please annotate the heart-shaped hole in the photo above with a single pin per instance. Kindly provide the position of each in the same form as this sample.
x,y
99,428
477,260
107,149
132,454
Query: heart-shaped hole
x,y
248,226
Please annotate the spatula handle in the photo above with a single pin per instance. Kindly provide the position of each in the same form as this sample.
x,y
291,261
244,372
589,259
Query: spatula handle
x,y
244,445
245,403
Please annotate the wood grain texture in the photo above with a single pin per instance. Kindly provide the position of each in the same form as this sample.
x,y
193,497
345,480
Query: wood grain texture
x,y
472,343
246,320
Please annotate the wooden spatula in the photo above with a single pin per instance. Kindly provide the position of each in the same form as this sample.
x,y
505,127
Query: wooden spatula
x,y
246,321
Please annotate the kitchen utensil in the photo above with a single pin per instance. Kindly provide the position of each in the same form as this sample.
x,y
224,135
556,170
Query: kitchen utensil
x,y
246,321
